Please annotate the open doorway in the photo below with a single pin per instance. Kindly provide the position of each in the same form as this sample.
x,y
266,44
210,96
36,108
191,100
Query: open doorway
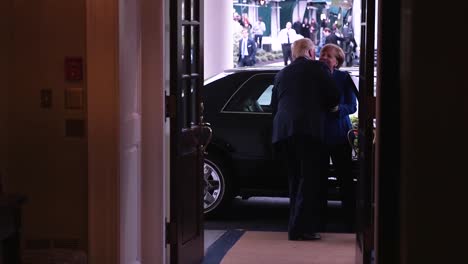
x,y
252,207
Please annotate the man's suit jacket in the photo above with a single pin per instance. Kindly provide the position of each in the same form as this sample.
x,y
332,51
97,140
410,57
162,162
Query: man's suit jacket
x,y
251,49
303,93
332,38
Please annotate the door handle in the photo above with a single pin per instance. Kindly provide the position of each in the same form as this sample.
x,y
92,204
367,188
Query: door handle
x,y
352,136
207,127
203,134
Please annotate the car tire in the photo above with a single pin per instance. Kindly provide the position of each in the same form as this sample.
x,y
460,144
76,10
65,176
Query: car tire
x,y
217,193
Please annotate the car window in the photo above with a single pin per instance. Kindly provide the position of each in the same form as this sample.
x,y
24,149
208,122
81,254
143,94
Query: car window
x,y
265,97
252,96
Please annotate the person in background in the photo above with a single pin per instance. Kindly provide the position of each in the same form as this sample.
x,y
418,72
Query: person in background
x,y
339,35
337,125
349,44
324,22
286,37
330,37
258,29
237,18
245,21
302,94
297,25
247,50
313,30
305,28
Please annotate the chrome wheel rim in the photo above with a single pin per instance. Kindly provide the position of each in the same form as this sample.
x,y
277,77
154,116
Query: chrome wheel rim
x,y
213,186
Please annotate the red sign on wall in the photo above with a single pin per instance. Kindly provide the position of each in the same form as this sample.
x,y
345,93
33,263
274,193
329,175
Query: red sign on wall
x,y
73,68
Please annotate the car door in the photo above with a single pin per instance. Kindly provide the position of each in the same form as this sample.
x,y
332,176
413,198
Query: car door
x,y
247,127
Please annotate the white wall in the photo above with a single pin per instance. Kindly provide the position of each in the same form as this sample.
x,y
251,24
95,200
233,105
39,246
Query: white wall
x,y
218,37
43,164
357,21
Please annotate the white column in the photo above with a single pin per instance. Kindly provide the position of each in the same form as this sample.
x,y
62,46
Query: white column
x,y
357,21
253,14
314,15
218,36
275,26
299,10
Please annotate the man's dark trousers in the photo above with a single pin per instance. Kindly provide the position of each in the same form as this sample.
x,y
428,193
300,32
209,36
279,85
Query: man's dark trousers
x,y
245,61
303,157
341,158
258,40
286,48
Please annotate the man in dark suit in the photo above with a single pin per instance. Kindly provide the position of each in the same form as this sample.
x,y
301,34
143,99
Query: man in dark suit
x,y
303,93
247,50
331,37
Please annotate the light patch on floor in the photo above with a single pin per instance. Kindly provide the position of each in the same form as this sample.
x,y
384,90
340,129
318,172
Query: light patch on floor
x,y
211,236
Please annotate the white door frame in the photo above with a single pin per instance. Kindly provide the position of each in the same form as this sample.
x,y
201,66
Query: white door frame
x,y
103,25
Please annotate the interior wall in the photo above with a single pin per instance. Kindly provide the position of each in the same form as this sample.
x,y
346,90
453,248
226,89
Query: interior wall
x,y
6,28
154,62
102,35
47,167
434,140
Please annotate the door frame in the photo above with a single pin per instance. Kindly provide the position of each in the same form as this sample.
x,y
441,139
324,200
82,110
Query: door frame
x,y
103,127
102,116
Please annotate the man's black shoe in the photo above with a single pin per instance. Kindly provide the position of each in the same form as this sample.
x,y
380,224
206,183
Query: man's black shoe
x,y
313,236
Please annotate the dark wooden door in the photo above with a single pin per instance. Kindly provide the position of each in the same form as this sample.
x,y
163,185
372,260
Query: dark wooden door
x,y
188,134
366,179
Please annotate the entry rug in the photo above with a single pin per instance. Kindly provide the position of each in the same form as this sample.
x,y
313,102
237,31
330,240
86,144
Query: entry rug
x,y
275,248
215,253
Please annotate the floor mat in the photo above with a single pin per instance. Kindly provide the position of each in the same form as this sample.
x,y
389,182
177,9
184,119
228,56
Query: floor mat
x,y
217,250
275,248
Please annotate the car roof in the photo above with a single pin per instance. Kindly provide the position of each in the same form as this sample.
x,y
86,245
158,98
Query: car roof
x,y
354,71
241,70
255,69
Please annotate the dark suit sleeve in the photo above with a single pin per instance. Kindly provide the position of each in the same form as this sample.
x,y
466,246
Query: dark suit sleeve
x,y
254,50
330,94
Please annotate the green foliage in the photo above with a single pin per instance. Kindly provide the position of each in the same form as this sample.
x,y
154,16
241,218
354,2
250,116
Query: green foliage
x,y
354,121
260,53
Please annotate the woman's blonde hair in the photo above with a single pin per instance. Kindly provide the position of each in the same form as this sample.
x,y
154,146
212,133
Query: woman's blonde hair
x,y
336,51
301,47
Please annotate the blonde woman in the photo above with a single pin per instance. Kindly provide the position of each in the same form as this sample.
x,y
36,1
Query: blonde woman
x,y
337,125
